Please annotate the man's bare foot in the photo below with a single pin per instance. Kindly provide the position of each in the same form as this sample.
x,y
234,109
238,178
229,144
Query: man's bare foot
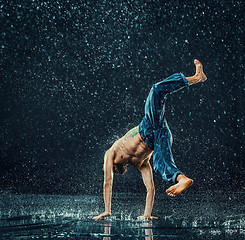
x,y
183,183
199,76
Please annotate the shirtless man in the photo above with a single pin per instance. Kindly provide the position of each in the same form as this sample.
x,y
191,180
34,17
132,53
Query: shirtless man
x,y
151,137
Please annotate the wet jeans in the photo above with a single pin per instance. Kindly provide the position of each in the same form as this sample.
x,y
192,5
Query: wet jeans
x,y
154,129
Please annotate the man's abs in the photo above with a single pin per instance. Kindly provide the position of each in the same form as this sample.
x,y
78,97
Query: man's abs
x,y
131,149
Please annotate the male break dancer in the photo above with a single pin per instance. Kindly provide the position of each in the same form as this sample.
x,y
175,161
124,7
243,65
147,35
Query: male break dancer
x,y
152,136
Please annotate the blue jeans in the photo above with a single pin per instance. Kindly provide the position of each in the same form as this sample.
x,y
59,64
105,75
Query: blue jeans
x,y
154,129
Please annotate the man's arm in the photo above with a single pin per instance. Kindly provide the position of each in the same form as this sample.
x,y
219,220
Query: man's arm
x,y
146,172
108,180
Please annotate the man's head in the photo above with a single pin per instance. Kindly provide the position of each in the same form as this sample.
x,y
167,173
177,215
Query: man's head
x,y
120,168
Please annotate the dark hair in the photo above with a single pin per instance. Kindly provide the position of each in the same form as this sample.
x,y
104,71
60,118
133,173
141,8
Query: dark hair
x,y
120,168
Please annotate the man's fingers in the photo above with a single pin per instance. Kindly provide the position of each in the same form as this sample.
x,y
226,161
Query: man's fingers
x,y
101,216
151,218
146,218
97,218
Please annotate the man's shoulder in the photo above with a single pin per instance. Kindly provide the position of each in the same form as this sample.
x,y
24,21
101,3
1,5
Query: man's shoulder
x,y
115,146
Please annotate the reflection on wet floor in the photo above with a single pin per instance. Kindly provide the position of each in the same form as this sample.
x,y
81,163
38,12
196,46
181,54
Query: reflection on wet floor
x,y
146,226
191,216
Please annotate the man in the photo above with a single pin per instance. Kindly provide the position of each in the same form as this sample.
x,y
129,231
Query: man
x,y
151,137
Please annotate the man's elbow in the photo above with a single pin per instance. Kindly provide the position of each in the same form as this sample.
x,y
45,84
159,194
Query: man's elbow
x,y
151,189
107,183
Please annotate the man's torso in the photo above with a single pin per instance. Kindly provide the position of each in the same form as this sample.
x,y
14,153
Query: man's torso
x,y
131,149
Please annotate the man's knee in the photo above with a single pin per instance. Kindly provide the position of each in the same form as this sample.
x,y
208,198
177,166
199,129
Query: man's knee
x,y
153,87
156,89
152,91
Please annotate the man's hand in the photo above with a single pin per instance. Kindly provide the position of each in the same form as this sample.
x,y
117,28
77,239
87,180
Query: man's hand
x,y
102,215
143,218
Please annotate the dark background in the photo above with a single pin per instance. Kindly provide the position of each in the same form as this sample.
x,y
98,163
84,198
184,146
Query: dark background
x,y
75,75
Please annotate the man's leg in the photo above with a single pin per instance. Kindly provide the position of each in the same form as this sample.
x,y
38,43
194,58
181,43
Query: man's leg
x,y
184,182
160,137
164,164
154,107
154,121
163,161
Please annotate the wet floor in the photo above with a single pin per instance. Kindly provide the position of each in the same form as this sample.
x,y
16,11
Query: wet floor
x,y
191,216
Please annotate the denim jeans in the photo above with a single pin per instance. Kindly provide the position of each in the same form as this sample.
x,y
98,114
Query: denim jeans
x,y
154,129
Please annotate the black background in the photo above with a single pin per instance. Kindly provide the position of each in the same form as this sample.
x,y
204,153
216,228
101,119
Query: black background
x,y
75,75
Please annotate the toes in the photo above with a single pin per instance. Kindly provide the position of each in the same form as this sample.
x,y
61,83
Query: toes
x,y
170,189
197,62
168,193
174,193
171,195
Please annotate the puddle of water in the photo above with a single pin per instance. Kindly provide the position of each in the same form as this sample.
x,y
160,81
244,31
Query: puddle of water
x,y
69,217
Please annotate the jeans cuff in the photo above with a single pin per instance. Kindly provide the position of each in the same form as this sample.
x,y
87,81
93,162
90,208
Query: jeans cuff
x,y
184,79
174,178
